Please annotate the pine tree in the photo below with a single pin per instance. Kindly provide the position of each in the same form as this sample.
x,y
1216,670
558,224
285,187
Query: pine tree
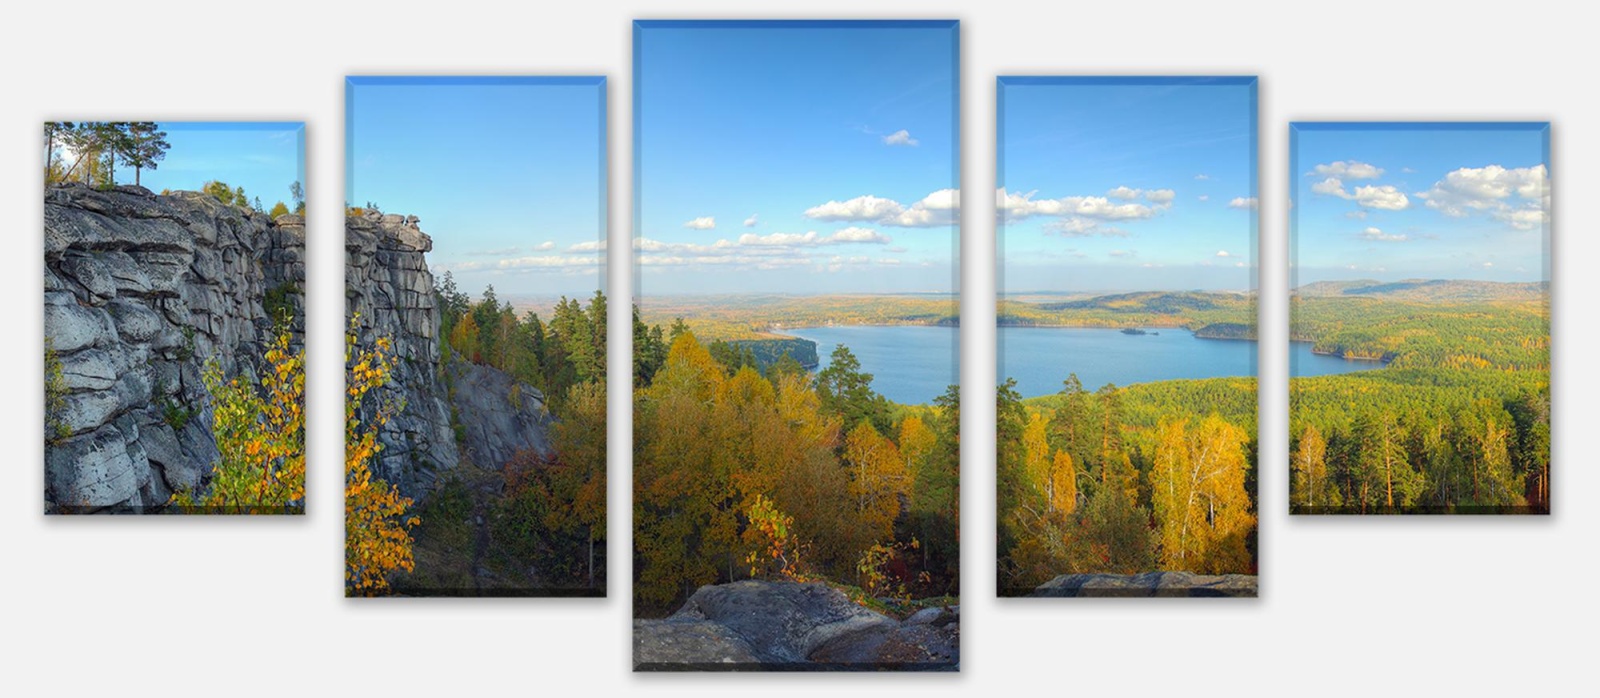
x,y
144,147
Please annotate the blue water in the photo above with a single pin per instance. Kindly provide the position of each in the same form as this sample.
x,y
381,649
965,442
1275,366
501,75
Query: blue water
x,y
913,364
909,364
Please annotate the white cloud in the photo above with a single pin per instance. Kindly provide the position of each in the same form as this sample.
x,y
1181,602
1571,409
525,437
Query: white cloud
x,y
1330,187
751,221
702,223
1016,207
590,246
854,234
807,239
1383,196
1202,177
936,209
1076,227
1357,214
1124,193
1122,253
1492,190
546,262
1225,253
567,263
861,208
1160,196
901,137
1375,235
1487,265
1243,202
1347,170
813,239
546,245
1204,197
1379,196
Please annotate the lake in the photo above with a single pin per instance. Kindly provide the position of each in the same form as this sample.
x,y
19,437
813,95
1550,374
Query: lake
x,y
913,364
910,364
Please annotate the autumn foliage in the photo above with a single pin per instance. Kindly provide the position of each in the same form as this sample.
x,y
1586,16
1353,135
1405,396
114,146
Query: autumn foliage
x,y
376,523
786,475
259,428
1113,481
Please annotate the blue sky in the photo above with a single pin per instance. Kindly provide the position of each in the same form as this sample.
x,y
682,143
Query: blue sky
x,y
263,157
814,157
1435,201
1126,184
505,173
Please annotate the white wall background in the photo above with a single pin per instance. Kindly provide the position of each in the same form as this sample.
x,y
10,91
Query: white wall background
x,y
254,607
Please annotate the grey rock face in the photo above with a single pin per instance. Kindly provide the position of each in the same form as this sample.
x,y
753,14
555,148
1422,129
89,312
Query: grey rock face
x,y
788,625
389,292
497,427
1168,584
140,291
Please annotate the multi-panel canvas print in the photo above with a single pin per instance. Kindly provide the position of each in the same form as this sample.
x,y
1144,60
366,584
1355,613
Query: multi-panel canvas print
x,y
796,453
1127,326
1421,268
174,317
475,430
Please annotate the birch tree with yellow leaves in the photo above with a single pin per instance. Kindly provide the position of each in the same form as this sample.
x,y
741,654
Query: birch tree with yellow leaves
x,y
377,528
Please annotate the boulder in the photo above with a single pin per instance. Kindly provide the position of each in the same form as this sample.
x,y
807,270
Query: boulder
x,y
790,625
686,644
1149,584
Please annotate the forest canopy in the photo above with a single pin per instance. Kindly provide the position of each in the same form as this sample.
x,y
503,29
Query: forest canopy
x,y
742,472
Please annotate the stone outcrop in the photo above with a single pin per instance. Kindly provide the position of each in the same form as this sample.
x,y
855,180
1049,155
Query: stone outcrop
x,y
498,415
139,292
461,409
389,293
1168,584
761,625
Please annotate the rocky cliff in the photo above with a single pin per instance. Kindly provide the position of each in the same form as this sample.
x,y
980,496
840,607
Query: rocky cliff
x,y
451,407
760,625
139,292
1168,584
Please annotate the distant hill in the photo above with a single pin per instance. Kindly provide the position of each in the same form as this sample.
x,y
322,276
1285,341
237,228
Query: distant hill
x,y
1450,290
1165,302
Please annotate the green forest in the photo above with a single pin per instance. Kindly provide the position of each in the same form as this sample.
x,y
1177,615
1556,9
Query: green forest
x,y
1131,479
486,524
747,469
1155,476
1458,421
